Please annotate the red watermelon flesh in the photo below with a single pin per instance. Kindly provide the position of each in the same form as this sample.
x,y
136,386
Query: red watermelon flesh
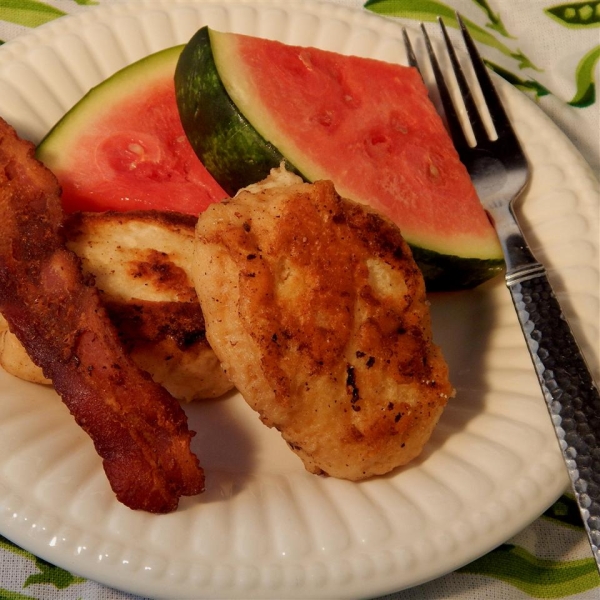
x,y
367,125
122,147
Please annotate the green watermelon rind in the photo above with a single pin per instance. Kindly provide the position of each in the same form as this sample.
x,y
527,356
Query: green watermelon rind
x,y
230,148
237,155
54,148
445,272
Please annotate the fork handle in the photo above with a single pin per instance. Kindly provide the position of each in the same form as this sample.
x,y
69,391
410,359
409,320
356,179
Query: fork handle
x,y
569,389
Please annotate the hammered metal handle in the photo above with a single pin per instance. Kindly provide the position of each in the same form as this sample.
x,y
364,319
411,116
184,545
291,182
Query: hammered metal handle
x,y
569,389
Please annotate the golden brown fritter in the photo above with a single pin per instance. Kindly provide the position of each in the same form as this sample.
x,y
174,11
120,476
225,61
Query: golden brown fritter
x,y
14,358
141,263
317,311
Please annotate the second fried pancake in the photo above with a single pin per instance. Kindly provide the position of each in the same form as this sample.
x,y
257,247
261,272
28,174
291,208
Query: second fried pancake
x,y
317,312
140,261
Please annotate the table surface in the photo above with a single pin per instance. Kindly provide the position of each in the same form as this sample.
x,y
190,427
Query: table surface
x,y
551,557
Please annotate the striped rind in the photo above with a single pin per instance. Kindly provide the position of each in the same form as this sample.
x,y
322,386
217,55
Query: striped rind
x,y
266,528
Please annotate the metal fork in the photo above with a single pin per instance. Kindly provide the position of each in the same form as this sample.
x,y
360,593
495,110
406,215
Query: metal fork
x,y
499,170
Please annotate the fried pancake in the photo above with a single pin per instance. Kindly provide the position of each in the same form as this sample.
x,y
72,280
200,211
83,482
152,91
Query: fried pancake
x,y
141,261
317,311
15,360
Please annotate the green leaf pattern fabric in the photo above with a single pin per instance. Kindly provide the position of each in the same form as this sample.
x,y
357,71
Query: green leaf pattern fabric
x,y
564,83
429,10
29,13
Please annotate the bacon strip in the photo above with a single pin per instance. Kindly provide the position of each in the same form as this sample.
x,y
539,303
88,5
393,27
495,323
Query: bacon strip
x,y
138,429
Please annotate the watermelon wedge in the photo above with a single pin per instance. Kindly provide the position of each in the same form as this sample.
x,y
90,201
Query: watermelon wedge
x,y
122,146
247,104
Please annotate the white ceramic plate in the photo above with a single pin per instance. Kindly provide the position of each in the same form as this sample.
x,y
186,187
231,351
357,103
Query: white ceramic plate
x,y
266,528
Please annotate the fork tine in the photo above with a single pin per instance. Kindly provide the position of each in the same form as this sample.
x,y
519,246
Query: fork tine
x,y
410,53
496,109
473,113
454,124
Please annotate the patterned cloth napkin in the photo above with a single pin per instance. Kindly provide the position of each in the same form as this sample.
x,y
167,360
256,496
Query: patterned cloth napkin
x,y
549,50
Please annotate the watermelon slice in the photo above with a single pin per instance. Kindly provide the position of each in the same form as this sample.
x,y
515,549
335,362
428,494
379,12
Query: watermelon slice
x,y
122,146
247,103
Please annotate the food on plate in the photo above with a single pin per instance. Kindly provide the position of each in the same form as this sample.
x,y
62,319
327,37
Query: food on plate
x,y
139,430
317,311
141,262
247,103
122,146
14,359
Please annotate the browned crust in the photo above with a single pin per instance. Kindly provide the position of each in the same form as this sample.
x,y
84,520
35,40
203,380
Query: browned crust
x,y
169,219
318,312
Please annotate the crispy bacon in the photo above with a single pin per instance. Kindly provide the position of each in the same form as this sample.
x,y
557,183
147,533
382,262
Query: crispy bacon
x,y
138,429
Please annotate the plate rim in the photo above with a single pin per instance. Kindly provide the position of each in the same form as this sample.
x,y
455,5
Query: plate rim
x,y
23,536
